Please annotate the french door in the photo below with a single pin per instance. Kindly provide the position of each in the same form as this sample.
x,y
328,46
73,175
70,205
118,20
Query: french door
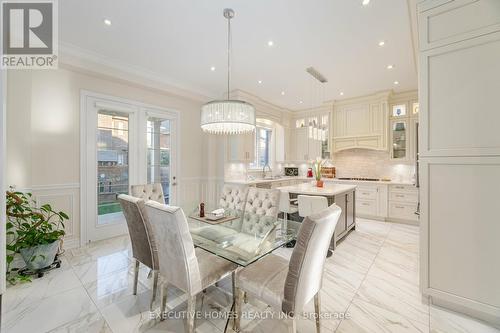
x,y
123,143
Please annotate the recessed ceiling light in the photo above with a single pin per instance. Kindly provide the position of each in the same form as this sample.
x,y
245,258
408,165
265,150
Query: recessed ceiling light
x,y
396,82
282,93
212,68
107,22
365,2
341,93
259,82
300,102
270,43
381,43
390,66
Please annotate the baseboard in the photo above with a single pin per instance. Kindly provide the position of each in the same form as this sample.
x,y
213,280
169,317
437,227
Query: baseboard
x,y
481,311
71,243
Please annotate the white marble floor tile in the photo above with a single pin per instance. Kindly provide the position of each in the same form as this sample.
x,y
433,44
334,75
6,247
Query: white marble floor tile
x,y
54,282
445,321
49,313
372,318
102,265
110,288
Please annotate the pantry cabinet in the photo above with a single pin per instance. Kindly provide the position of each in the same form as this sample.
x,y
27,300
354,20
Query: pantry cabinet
x,y
460,155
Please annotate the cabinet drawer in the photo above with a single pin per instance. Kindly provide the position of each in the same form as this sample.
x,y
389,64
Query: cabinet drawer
x,y
404,211
403,188
404,197
367,193
366,207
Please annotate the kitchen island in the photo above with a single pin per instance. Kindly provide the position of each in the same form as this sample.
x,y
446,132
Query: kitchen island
x,y
342,195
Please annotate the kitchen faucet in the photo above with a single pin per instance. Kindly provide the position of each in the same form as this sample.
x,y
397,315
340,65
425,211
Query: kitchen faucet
x,y
264,170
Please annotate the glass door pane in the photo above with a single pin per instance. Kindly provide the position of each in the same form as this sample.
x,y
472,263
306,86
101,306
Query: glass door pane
x,y
399,133
112,164
159,153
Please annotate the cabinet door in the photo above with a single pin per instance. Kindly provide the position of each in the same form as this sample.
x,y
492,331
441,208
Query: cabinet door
x,y
240,147
249,146
399,139
350,201
279,135
340,200
235,151
413,134
314,148
301,144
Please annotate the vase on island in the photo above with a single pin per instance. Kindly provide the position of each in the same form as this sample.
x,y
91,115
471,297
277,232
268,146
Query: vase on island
x,y
319,183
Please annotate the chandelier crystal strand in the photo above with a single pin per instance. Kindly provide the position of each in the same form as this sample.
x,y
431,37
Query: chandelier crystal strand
x,y
228,116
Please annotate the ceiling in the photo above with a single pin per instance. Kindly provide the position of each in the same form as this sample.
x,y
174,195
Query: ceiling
x,y
180,40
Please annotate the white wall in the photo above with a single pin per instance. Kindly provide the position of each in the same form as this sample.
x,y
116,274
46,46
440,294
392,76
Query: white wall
x,y
43,130
2,178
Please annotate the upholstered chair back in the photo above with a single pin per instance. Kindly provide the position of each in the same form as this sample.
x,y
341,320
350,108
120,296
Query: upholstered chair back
x,y
176,253
233,197
140,231
261,211
305,271
148,192
311,204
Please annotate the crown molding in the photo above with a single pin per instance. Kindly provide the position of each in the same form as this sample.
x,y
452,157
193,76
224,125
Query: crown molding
x,y
82,60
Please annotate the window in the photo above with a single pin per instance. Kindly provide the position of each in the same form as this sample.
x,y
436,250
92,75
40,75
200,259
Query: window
x,y
262,144
159,142
112,161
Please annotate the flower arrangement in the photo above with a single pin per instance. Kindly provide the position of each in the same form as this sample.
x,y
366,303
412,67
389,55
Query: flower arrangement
x,y
316,166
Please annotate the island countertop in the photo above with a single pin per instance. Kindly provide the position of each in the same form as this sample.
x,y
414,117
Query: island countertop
x,y
328,190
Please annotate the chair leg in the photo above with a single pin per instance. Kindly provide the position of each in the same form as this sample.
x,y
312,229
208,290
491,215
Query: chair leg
x,y
293,327
317,306
155,287
163,304
191,313
136,276
237,310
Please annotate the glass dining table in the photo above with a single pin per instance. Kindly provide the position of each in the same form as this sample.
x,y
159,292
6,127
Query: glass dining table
x,y
240,237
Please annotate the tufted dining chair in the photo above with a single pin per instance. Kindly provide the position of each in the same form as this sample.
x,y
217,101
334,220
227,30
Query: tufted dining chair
x,y
261,211
288,286
148,192
181,264
141,236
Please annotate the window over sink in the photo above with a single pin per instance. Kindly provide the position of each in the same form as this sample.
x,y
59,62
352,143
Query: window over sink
x,y
262,147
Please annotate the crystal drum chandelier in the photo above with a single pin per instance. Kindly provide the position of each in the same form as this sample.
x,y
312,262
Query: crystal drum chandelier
x,y
228,116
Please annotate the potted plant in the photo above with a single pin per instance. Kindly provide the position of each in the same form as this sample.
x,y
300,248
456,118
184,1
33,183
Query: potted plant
x,y
33,232
317,165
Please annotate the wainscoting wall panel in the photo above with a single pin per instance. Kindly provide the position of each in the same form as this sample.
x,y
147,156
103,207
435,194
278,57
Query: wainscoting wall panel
x,y
66,198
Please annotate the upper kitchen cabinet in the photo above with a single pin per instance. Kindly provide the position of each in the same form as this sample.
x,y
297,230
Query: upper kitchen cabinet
x,y
241,148
308,137
404,112
360,123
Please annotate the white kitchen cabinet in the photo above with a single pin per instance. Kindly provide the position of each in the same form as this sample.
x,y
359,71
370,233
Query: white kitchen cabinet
x,y
403,200
280,146
304,147
241,148
459,155
371,199
399,139
360,123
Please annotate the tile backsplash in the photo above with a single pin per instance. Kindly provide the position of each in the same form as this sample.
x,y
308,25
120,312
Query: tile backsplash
x,y
348,163
372,164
